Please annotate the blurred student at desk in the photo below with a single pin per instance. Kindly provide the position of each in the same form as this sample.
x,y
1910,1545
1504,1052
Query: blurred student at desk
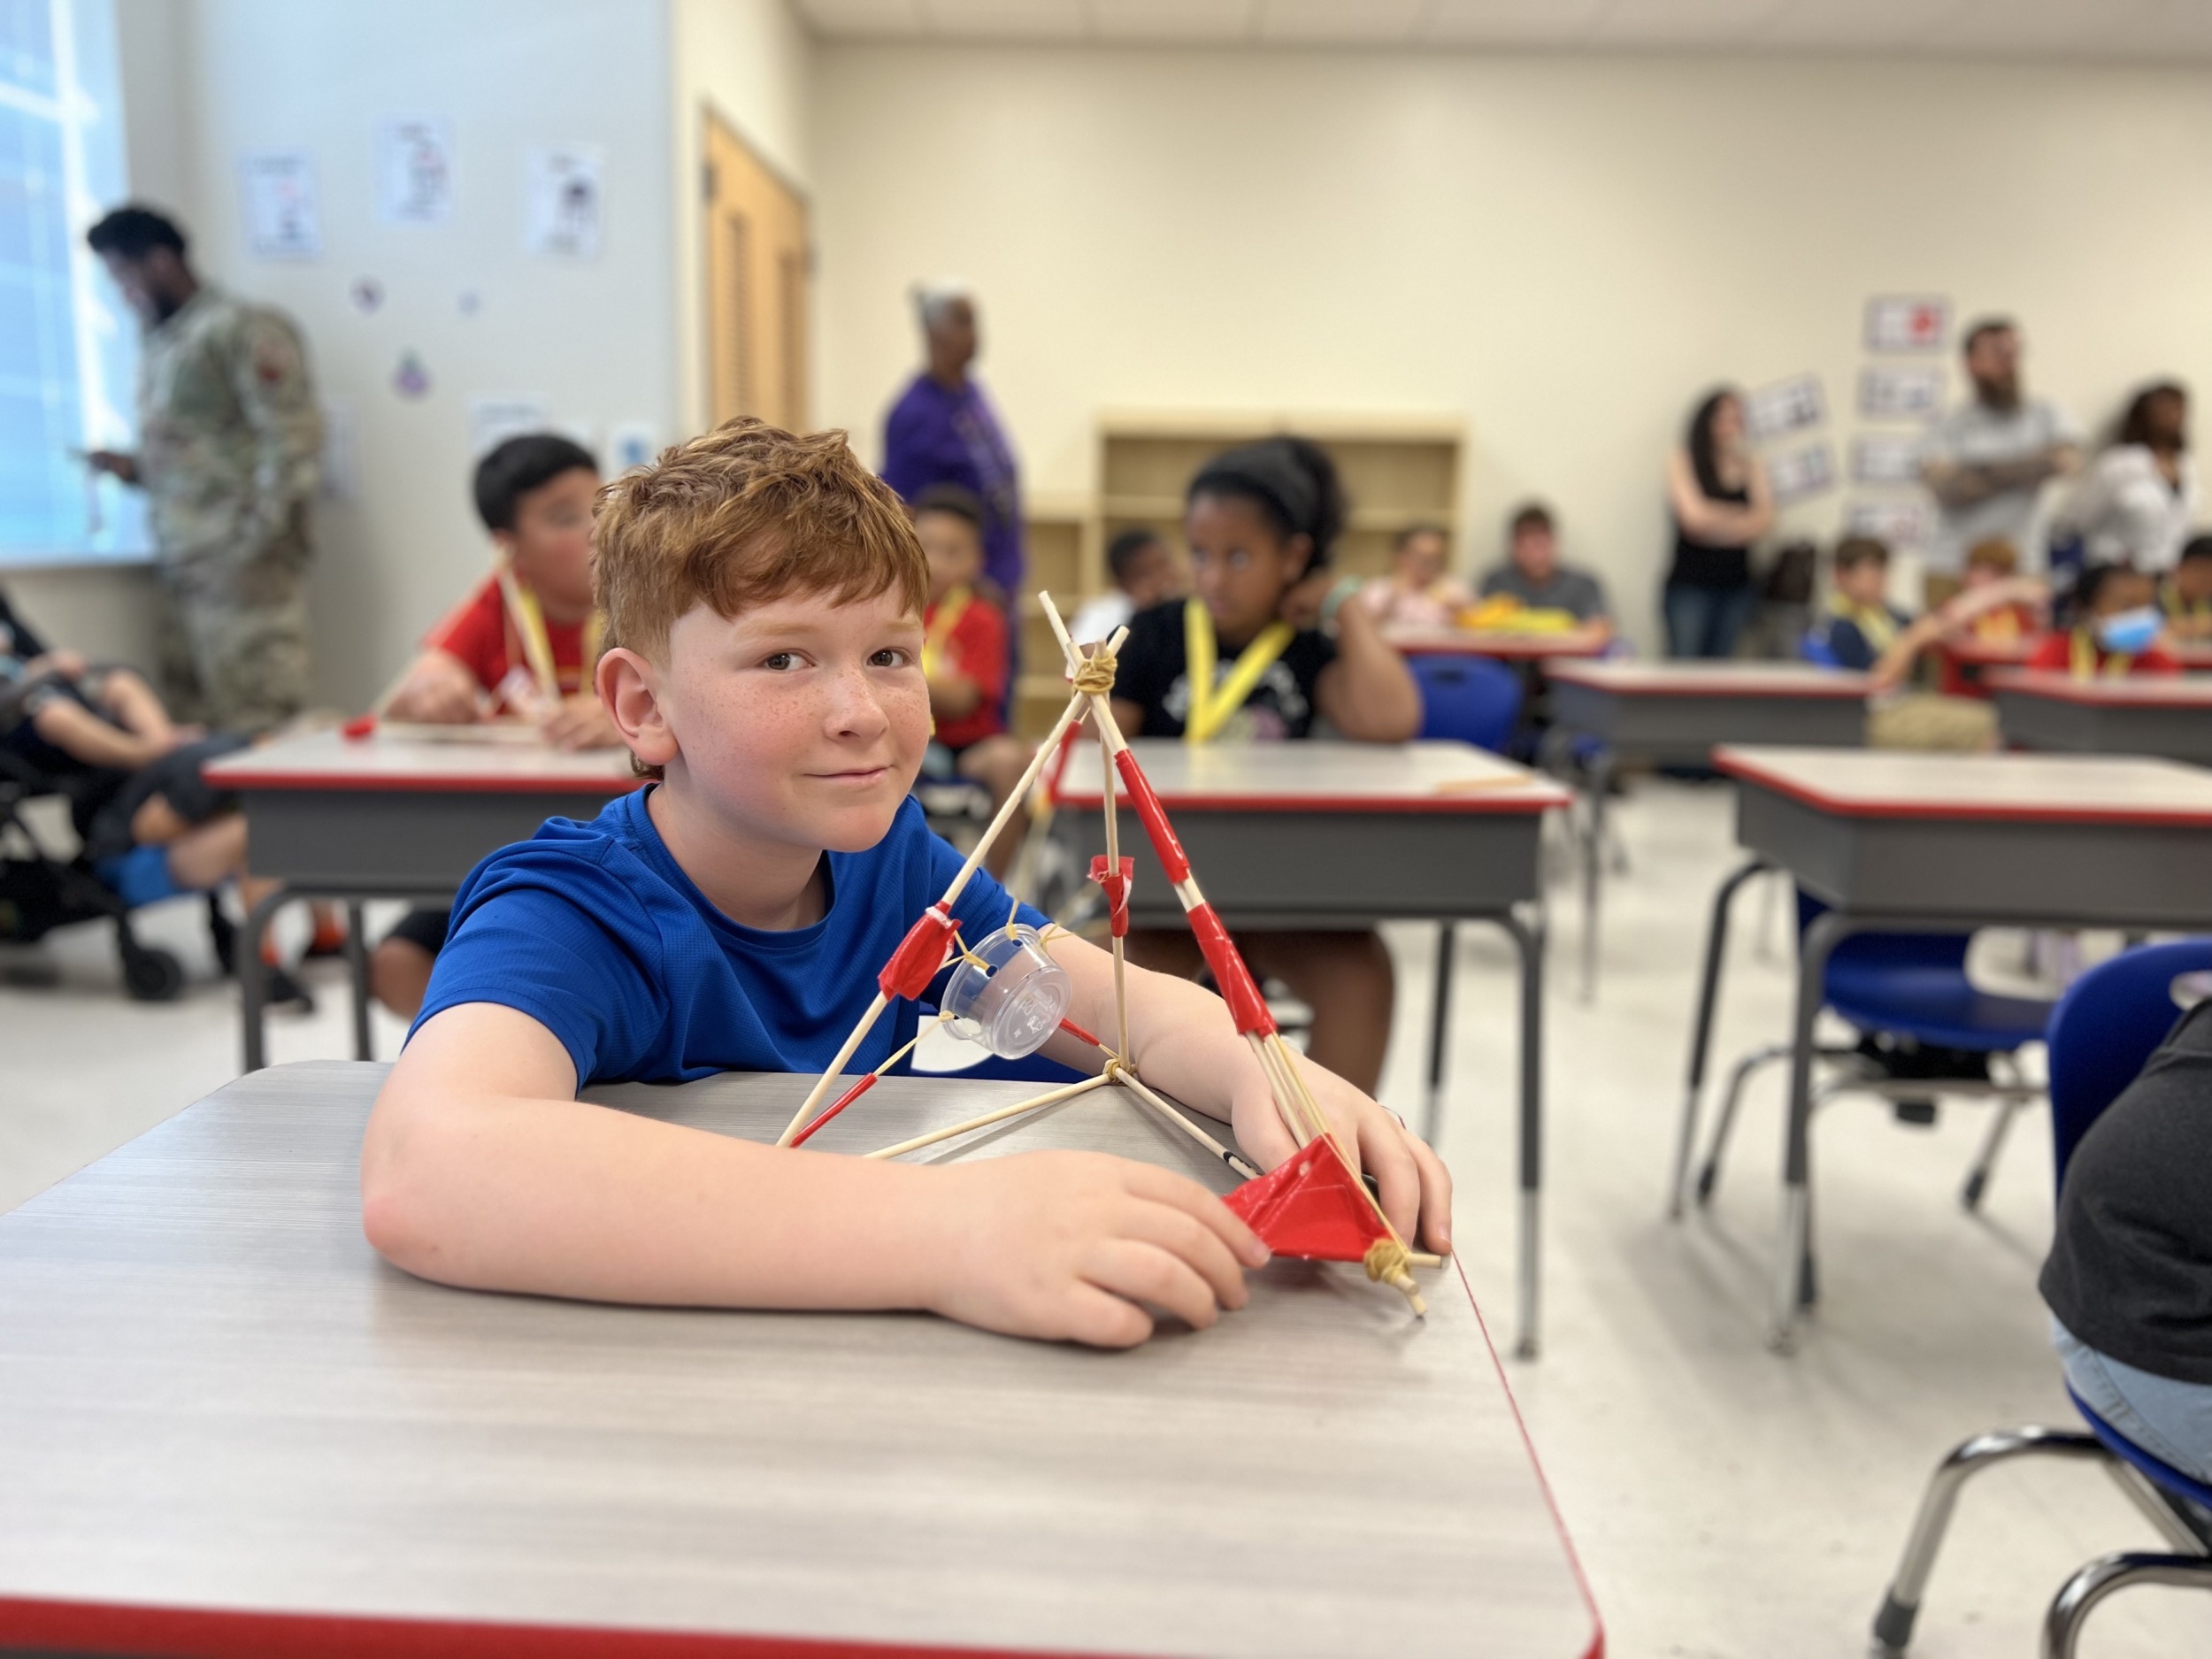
x,y
1538,584
2118,629
1419,592
1144,574
1998,608
2187,593
520,647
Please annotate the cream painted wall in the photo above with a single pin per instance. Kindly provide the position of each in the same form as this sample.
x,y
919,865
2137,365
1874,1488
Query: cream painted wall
x,y
1562,251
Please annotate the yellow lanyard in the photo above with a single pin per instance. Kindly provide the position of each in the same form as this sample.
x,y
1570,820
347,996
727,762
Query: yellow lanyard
x,y
949,611
1875,623
2083,653
1210,706
527,617
2185,610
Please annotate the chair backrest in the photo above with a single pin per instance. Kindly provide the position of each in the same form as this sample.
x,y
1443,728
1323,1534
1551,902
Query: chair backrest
x,y
1813,647
1888,950
2109,1023
1469,698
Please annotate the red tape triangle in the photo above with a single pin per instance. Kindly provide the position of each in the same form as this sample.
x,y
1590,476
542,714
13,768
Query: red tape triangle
x,y
1312,1206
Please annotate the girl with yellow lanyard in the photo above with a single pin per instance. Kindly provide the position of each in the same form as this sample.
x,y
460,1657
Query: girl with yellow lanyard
x,y
2117,631
1267,647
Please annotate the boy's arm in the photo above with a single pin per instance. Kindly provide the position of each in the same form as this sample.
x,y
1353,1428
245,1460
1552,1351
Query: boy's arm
x,y
480,1169
438,689
1368,692
1186,1046
953,695
84,736
130,702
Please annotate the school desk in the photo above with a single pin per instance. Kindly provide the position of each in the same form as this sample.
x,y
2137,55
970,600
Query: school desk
x,y
376,818
2163,715
1979,660
1504,645
1905,842
231,1428
1336,835
1673,714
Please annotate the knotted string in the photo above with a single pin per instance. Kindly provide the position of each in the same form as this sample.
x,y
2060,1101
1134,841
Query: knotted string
x,y
1093,677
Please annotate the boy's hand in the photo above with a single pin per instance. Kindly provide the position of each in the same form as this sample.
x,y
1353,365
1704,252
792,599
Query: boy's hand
x,y
1076,1246
1417,1189
581,721
1300,604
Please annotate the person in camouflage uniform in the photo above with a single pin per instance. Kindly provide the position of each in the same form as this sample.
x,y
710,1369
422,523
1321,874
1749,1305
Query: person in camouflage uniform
x,y
230,445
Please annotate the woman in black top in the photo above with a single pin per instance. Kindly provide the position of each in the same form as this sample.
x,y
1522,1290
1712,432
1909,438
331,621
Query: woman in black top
x,y
2130,1273
1716,492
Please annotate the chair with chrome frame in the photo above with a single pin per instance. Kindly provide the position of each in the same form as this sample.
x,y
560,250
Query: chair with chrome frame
x,y
2104,1028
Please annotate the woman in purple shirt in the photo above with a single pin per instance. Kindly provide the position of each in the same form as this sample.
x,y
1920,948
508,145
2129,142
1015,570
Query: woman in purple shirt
x,y
942,431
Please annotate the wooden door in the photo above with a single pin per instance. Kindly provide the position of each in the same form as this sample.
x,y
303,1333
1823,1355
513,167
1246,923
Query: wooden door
x,y
757,269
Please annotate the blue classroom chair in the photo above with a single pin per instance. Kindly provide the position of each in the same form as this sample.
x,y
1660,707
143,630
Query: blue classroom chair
x,y
2104,1028
1469,698
1908,988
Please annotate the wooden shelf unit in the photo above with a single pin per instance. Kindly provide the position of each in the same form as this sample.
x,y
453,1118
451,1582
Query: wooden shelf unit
x,y
1398,471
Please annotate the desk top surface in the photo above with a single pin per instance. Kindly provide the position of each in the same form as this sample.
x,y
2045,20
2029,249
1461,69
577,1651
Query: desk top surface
x,y
328,760
2137,691
1716,680
1506,644
1322,776
2009,789
215,1396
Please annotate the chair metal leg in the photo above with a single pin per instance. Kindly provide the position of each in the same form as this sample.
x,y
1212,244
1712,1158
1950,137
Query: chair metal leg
x,y
1528,938
2156,1507
2062,1626
1791,1248
1440,1029
357,970
1892,1626
1702,1029
1709,1173
1596,789
1985,1160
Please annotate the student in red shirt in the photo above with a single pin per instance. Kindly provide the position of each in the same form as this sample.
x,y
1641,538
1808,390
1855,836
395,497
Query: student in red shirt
x,y
964,659
2117,628
520,647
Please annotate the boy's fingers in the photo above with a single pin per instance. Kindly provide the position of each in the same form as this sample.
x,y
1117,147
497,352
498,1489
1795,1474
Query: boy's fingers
x,y
1436,1196
1161,1187
1389,1158
1104,1320
1145,1272
1195,1243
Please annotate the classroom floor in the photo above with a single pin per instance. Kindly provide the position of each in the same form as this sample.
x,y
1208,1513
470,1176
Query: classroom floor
x,y
1727,1504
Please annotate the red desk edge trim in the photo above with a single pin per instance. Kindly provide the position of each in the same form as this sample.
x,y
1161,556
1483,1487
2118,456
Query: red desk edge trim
x,y
1527,800
1839,685
1540,649
2058,688
420,783
1732,763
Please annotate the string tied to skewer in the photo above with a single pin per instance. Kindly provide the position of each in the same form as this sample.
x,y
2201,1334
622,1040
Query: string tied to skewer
x,y
1388,1262
1093,676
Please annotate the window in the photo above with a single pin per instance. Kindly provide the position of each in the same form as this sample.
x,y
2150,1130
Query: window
x,y
68,348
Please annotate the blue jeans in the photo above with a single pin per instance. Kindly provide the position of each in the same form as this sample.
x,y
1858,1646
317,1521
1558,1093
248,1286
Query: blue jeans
x,y
2171,1420
1704,621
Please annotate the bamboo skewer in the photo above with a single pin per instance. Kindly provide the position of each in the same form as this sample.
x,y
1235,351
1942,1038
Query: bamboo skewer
x,y
1051,1097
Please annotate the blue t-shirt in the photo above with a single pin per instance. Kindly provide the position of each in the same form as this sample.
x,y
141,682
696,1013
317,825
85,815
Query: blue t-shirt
x,y
595,932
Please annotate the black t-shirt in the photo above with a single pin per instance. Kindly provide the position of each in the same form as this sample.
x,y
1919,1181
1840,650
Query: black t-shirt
x,y
2130,1271
1711,563
1153,672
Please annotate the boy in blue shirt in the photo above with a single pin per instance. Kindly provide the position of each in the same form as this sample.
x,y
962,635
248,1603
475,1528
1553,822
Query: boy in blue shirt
x,y
764,596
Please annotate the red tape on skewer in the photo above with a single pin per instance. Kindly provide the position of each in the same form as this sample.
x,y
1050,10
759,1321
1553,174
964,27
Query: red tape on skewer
x,y
1079,1034
1172,858
921,953
1117,884
1247,1007
836,1106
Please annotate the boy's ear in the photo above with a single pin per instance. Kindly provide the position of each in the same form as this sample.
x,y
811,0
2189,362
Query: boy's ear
x,y
504,541
629,689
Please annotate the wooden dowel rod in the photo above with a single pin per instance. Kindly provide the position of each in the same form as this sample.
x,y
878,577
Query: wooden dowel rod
x,y
1050,1098
1167,1108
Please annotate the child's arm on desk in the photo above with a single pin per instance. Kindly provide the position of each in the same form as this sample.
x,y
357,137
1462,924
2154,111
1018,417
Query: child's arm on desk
x,y
1368,692
480,1168
437,689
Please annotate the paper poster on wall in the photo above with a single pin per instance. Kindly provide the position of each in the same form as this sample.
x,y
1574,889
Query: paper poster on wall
x,y
341,451
561,203
1796,473
1900,394
1886,458
1908,322
1898,524
1786,406
283,216
493,420
414,170
630,445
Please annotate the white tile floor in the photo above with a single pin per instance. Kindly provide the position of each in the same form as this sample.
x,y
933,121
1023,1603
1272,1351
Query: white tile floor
x,y
1724,1501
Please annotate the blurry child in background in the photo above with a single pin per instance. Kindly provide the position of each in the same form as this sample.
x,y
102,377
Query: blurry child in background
x,y
491,657
1144,574
1860,629
2188,593
1535,581
965,657
2014,608
1418,593
2117,628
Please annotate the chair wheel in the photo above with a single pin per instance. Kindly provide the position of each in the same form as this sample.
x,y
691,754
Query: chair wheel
x,y
1706,1178
1972,1196
152,976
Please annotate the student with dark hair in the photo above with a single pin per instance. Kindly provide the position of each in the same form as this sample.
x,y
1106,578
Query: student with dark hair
x,y
1143,572
1419,592
2118,630
1532,575
1268,647
2137,500
1716,492
2186,594
520,646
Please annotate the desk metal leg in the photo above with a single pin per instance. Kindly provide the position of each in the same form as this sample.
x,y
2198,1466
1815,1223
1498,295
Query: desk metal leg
x,y
357,964
1529,940
1440,1029
253,991
1598,788
1793,1255
1701,1031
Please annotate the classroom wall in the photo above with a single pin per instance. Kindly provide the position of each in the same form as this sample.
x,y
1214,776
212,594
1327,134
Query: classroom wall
x,y
1560,251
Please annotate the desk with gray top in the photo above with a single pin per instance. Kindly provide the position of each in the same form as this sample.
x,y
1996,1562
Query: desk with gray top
x,y
375,817
1673,714
2164,716
231,1427
1909,842
1337,835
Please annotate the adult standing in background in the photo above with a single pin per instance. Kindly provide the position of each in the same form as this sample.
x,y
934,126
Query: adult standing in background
x,y
2138,499
230,445
1716,492
1987,460
943,431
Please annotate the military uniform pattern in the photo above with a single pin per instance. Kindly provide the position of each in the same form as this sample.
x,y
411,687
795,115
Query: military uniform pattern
x,y
229,455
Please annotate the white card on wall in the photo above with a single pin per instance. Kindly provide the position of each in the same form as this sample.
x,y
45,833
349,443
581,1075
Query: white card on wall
x,y
414,170
493,420
1908,322
1888,393
283,216
1796,473
1886,458
1896,523
562,205
1786,406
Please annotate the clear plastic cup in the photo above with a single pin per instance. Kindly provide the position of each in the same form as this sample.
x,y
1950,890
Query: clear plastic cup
x,y
1016,999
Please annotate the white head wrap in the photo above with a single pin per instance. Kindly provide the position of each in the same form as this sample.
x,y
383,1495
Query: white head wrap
x,y
933,299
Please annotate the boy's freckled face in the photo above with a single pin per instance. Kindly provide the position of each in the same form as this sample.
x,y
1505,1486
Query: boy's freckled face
x,y
804,720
